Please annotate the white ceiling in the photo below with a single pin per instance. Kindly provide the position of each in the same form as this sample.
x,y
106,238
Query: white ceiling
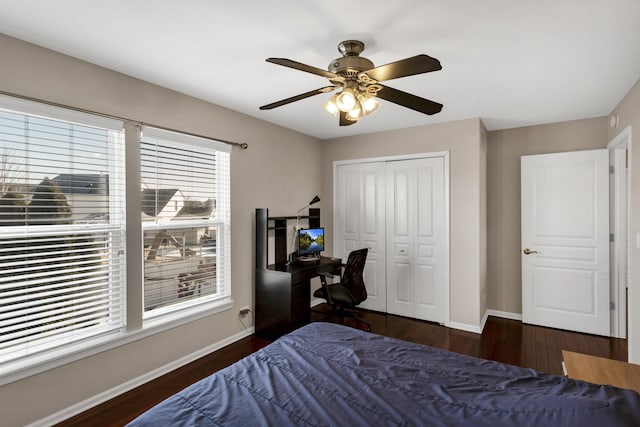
x,y
510,62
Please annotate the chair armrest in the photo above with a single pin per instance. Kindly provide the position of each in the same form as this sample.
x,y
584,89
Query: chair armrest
x,y
325,274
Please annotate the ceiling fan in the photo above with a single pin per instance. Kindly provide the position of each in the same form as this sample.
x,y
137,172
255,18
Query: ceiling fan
x,y
358,83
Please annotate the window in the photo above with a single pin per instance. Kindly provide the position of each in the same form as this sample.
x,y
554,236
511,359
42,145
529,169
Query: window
x,y
61,228
63,265
185,220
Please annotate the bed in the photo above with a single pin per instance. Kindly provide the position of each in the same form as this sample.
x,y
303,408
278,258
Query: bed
x,y
325,374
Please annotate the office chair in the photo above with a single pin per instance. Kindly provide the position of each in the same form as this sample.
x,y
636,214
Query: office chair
x,y
347,293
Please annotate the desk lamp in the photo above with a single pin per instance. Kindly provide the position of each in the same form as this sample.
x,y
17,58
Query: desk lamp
x,y
313,201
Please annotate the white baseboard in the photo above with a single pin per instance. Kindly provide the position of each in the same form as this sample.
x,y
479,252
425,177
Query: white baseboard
x,y
479,329
484,320
504,314
136,382
465,327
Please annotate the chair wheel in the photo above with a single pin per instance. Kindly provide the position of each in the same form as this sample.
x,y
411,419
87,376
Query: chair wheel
x,y
368,329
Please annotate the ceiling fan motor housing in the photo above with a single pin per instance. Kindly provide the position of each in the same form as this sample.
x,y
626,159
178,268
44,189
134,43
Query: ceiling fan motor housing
x,y
350,64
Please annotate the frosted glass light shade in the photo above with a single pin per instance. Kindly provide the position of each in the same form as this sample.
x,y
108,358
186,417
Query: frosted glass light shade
x,y
369,104
331,106
355,113
346,100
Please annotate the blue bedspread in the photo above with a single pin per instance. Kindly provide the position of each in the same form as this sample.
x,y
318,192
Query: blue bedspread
x,y
330,375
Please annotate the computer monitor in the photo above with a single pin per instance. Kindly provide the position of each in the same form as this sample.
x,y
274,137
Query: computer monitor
x,y
310,241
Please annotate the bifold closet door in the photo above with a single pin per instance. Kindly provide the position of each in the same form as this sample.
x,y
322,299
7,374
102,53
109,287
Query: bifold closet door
x,y
359,222
416,227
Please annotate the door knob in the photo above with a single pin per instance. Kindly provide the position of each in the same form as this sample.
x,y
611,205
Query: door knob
x,y
528,251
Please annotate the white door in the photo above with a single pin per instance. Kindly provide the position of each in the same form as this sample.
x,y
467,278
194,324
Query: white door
x,y
565,241
359,222
417,249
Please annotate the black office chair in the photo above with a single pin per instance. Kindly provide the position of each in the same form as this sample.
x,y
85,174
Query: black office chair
x,y
349,292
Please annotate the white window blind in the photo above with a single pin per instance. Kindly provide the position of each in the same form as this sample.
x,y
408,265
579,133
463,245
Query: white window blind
x,y
185,219
61,227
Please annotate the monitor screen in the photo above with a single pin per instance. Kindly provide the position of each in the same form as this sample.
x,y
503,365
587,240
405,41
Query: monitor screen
x,y
310,241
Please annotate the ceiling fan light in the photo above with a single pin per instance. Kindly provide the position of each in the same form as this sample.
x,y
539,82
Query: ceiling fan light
x,y
331,106
369,104
346,100
355,113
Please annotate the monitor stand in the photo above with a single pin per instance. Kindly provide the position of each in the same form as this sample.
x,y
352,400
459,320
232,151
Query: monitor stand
x,y
312,257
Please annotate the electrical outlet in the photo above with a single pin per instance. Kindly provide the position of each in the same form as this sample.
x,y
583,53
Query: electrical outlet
x,y
244,311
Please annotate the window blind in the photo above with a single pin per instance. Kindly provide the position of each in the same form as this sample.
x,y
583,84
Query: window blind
x,y
61,227
185,217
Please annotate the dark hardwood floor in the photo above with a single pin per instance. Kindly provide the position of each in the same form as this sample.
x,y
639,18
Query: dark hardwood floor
x,y
507,341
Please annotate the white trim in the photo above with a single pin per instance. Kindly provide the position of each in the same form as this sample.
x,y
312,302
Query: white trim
x,y
447,243
465,327
185,314
138,381
84,349
483,322
623,136
619,151
337,163
504,314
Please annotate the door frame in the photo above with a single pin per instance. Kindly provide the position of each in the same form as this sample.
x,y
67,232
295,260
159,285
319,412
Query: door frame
x,y
620,207
447,205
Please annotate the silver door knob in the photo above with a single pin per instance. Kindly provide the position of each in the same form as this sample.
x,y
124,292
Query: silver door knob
x,y
528,251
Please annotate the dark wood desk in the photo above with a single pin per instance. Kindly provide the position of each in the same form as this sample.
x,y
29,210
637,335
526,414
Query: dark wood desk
x,y
283,295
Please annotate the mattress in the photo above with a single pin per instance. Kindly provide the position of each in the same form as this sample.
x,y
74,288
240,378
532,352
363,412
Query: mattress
x,y
325,374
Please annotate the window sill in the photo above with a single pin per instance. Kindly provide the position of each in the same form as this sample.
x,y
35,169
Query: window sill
x,y
38,363
173,319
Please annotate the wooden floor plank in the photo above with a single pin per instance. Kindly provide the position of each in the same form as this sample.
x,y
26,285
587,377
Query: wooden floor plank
x,y
504,340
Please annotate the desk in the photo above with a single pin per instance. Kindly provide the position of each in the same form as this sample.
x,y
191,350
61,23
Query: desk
x,y
283,295
599,370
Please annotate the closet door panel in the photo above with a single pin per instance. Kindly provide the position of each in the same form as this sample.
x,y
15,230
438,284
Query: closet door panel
x,y
359,222
416,229
400,224
431,258
426,292
347,220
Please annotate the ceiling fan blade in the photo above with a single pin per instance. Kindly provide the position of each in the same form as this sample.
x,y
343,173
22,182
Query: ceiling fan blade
x,y
405,67
408,100
304,67
344,121
282,102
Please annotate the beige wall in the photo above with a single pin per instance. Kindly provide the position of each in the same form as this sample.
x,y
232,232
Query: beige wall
x,y
505,149
628,112
462,139
262,176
